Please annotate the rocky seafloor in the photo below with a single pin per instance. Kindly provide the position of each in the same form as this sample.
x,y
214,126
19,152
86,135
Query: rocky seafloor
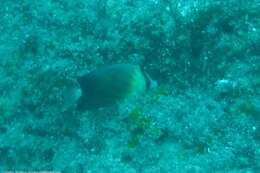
x,y
204,116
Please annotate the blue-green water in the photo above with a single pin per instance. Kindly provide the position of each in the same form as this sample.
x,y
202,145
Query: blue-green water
x,y
203,116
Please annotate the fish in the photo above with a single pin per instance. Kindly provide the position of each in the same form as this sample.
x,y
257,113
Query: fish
x,y
111,84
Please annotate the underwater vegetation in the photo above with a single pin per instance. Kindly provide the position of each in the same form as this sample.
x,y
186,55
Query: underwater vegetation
x,y
140,126
74,79
6,109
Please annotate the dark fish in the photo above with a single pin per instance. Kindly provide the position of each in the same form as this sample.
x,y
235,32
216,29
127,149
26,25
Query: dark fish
x,y
108,85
